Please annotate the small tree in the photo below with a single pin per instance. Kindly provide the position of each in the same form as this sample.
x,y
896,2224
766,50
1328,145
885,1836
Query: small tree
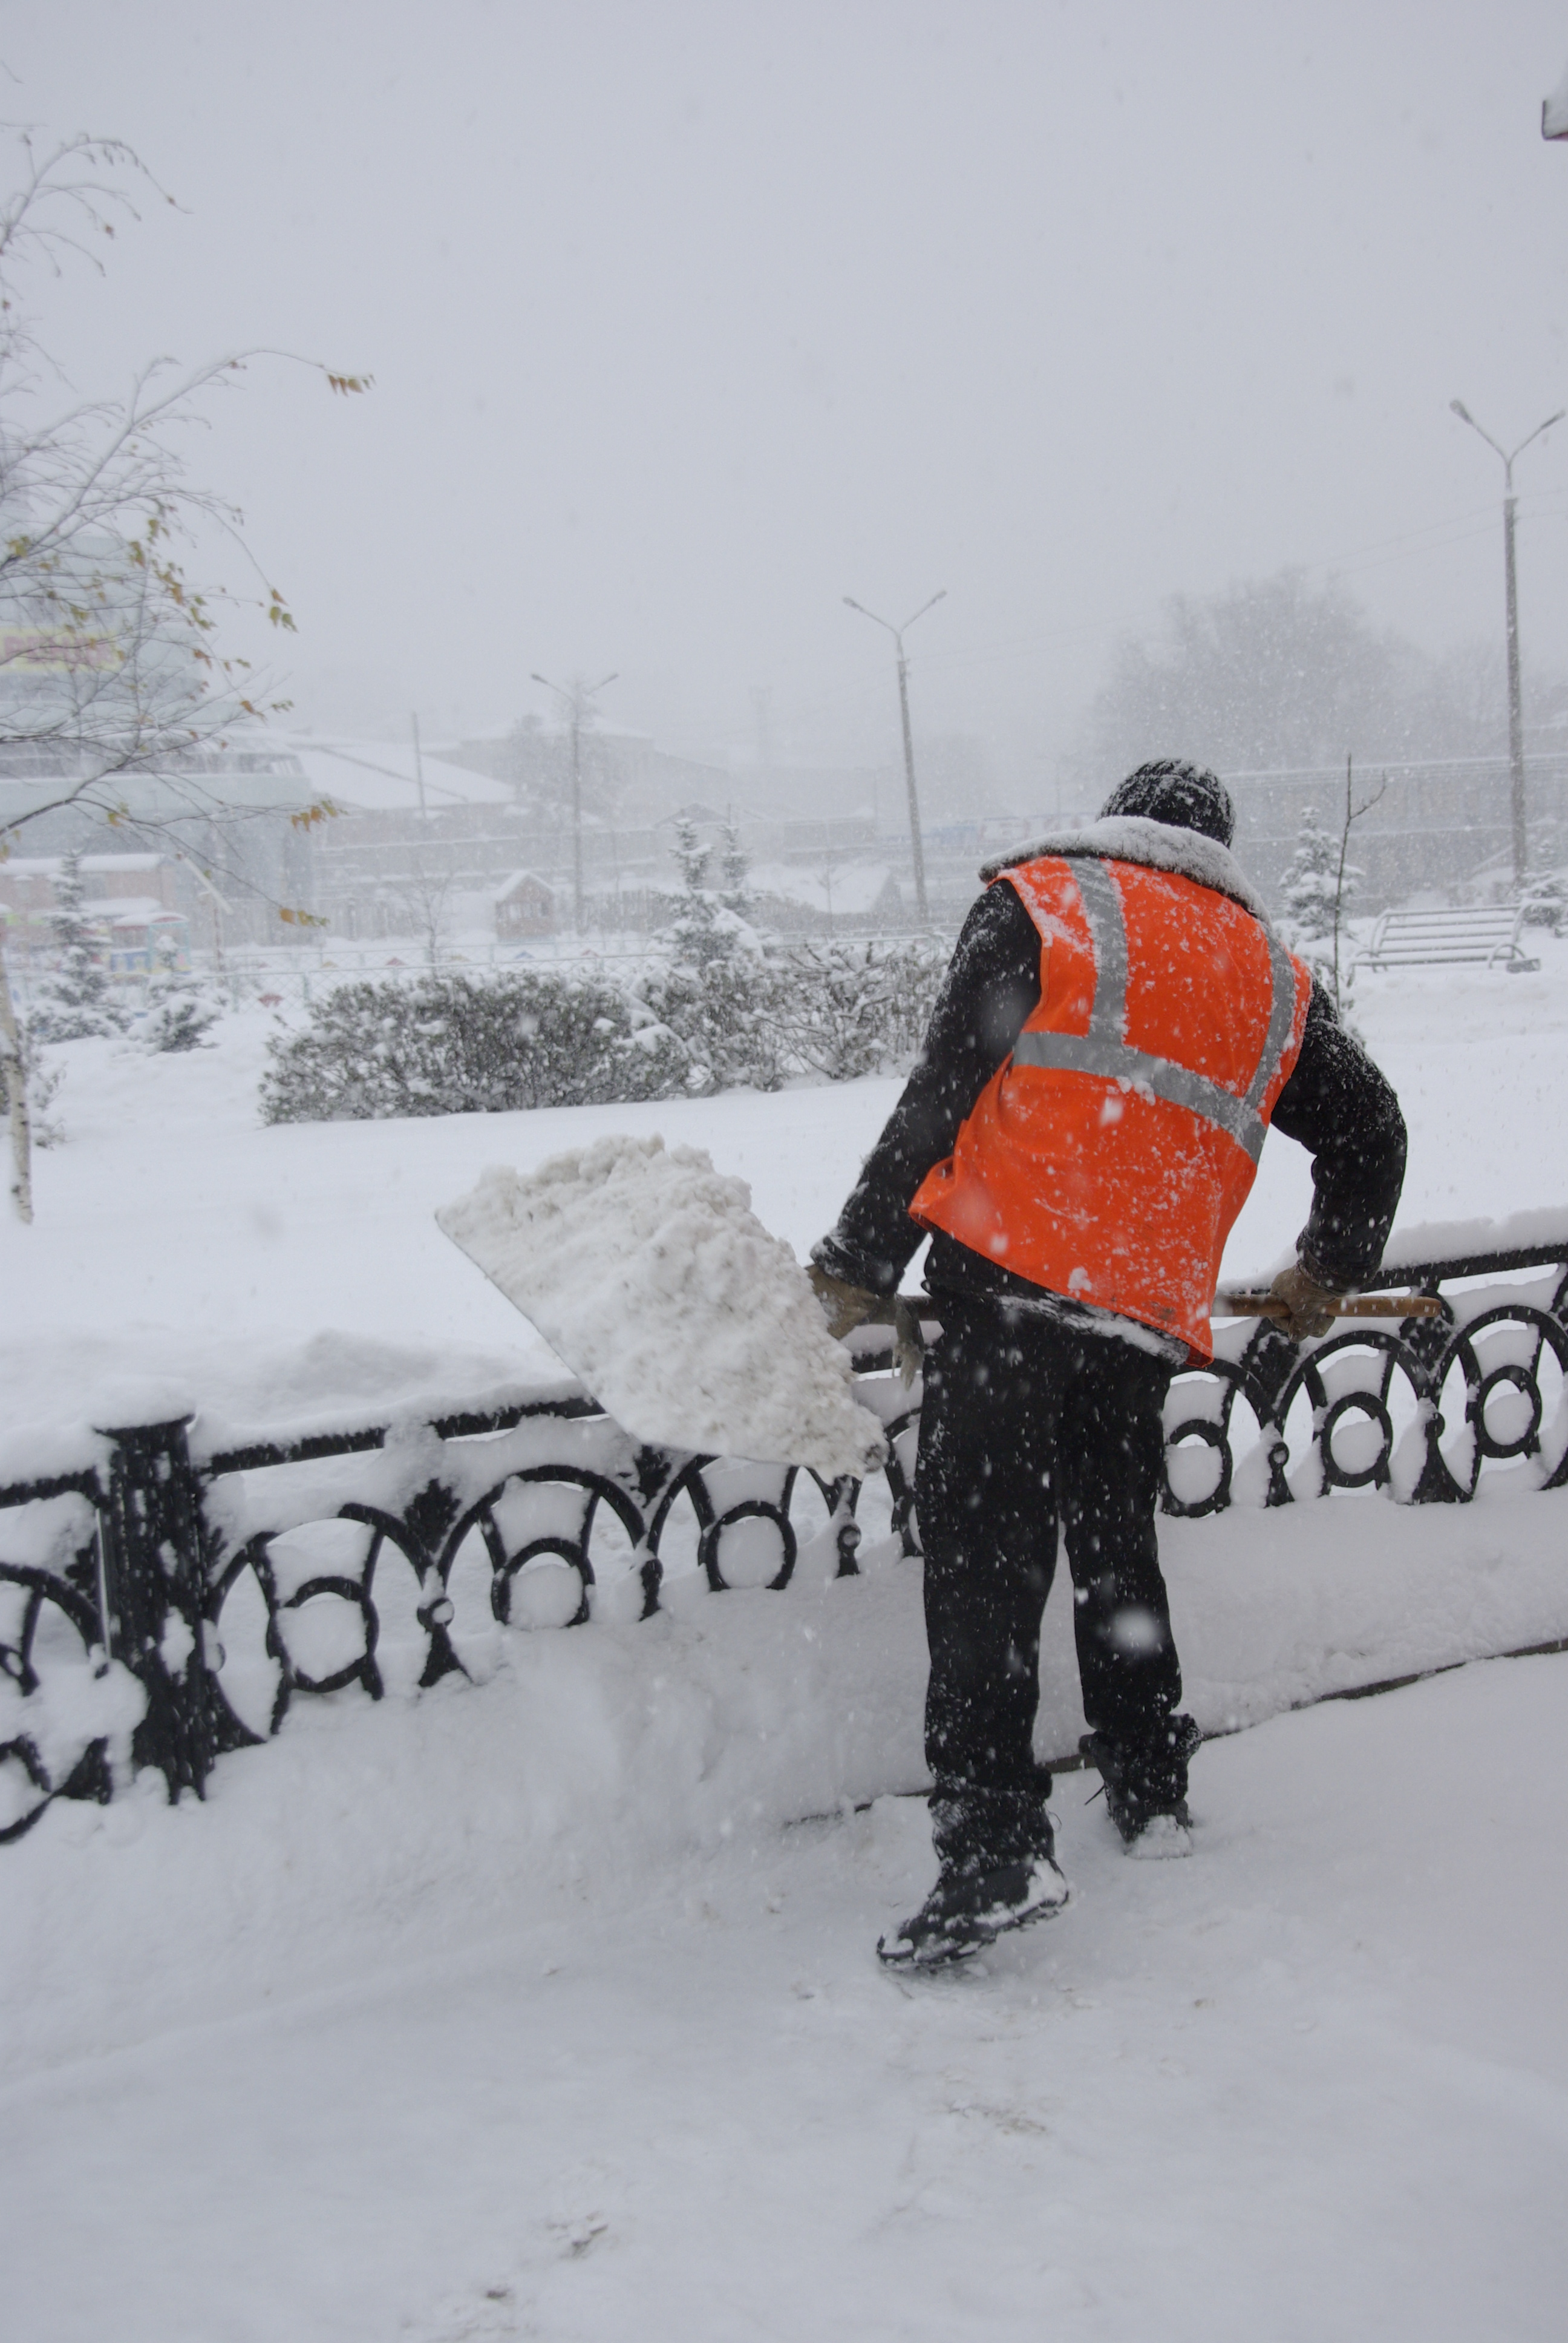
x,y
734,863
179,1013
714,994
422,894
1346,879
76,1000
1311,885
1319,887
699,933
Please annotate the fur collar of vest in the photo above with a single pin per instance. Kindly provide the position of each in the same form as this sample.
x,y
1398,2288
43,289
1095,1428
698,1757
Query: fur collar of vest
x,y
1156,845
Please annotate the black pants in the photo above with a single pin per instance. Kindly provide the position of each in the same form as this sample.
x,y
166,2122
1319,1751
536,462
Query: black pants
x,y
1027,1422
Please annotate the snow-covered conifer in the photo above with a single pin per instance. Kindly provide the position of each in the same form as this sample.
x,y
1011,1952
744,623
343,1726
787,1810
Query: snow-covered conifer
x,y
734,862
1312,883
715,990
697,933
76,1001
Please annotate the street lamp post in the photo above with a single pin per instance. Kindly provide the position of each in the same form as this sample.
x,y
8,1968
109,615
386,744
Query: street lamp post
x,y
576,700
898,633
1511,599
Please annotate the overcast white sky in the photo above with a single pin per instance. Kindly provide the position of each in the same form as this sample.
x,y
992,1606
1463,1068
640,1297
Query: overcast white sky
x,y
689,317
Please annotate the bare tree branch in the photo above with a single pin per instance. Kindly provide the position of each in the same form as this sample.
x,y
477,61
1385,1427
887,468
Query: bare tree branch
x,y
110,657
109,654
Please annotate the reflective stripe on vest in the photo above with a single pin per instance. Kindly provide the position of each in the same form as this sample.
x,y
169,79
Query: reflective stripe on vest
x,y
1104,1049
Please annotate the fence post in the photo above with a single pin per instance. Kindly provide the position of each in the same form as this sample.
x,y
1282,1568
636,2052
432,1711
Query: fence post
x,y
154,1588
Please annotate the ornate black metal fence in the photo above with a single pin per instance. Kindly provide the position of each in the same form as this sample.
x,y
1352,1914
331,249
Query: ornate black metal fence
x,y
165,1603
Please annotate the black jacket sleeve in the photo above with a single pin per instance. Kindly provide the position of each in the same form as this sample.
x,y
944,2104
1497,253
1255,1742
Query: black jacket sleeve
x,y
991,985
1342,1108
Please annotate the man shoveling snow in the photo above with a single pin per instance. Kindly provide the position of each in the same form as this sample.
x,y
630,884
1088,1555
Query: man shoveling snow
x,y
1118,1029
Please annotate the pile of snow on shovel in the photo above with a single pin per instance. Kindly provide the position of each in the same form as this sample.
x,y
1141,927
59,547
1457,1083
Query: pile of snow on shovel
x,y
647,1271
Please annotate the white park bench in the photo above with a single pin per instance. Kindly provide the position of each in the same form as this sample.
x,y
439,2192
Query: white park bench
x,y
1487,933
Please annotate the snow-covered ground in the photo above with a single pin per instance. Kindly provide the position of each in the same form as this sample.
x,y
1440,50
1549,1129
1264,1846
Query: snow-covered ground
x,y
267,1271
1312,2084
543,2007
284,1267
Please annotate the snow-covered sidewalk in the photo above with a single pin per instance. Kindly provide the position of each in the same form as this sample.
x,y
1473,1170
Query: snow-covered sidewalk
x,y
1311,2085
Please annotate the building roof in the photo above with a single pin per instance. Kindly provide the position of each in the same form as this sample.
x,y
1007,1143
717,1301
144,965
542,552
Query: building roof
x,y
132,911
379,776
517,879
49,865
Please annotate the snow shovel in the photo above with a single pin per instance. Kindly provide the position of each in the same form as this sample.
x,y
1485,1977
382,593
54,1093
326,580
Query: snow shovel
x,y
648,1273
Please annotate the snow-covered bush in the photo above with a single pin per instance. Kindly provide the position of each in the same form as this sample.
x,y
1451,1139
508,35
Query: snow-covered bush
x,y
1546,902
76,1001
720,1016
847,1010
458,1045
749,1017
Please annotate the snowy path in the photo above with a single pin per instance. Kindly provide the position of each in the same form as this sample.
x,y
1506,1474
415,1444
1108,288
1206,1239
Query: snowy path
x,y
1314,2084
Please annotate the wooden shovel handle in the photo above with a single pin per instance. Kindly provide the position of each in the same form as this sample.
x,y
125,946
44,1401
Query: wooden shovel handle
x,y
1341,1306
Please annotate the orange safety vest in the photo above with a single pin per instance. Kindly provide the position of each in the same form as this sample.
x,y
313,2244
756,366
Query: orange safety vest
x,y
1108,1158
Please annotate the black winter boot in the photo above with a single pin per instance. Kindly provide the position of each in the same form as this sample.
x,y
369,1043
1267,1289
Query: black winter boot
x,y
1146,1786
996,1851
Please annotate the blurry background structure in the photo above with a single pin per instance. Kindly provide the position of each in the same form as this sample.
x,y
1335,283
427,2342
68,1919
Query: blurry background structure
x,y
1143,333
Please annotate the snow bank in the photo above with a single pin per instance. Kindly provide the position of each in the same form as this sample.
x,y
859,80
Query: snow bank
x,y
232,1394
369,1836
1414,1244
175,1238
647,1271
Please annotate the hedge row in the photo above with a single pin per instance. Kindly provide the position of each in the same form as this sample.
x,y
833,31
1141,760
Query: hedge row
x,y
466,1044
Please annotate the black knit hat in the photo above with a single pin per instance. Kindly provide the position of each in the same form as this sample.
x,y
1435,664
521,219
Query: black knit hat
x,y
1187,797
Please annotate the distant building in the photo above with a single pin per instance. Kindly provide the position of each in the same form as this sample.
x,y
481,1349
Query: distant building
x,y
524,907
140,936
27,882
129,900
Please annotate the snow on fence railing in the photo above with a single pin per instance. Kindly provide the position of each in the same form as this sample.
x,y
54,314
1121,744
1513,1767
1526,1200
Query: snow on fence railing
x,y
163,1604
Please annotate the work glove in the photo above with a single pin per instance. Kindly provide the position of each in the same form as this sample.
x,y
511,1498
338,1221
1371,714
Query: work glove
x,y
909,1342
844,1306
1306,1314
